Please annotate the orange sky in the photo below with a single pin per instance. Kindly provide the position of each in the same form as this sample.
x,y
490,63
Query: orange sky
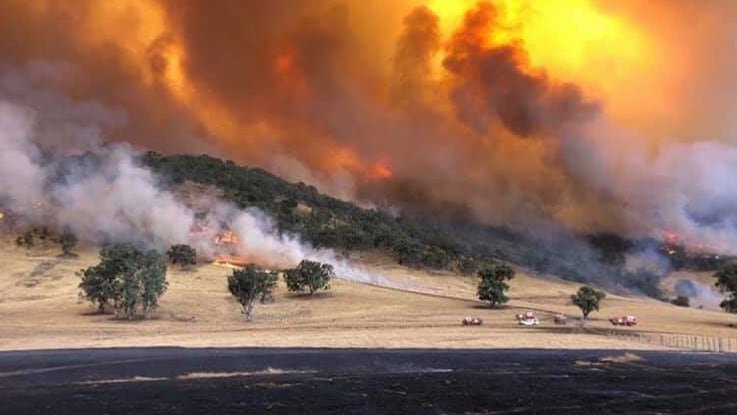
x,y
392,102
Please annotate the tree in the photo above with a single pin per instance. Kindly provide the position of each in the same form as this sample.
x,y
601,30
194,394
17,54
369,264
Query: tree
x,y
183,255
681,301
125,278
99,286
587,299
25,240
311,275
727,283
467,266
68,241
493,286
250,283
152,280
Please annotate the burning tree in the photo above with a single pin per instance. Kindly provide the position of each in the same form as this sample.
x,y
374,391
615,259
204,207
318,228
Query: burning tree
x,y
587,299
183,255
125,278
727,283
249,284
311,275
492,287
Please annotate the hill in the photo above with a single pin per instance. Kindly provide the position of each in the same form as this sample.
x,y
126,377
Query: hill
x,y
411,239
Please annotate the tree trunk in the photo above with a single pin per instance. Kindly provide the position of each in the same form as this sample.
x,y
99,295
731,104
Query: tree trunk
x,y
248,311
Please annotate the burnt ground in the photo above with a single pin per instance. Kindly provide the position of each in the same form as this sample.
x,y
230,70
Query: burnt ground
x,y
358,381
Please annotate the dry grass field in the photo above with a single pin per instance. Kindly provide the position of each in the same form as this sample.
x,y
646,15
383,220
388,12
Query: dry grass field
x,y
40,309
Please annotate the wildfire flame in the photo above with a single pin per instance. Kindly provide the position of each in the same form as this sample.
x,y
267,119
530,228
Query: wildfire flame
x,y
316,85
227,238
230,261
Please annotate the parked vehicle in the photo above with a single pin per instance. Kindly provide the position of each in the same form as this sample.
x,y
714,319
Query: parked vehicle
x,y
527,318
624,321
472,321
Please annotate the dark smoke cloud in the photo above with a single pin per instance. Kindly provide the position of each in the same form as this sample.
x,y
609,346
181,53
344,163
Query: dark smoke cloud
x,y
325,91
494,82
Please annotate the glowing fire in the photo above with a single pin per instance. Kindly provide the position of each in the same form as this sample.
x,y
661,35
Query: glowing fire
x,y
230,261
571,39
227,238
382,171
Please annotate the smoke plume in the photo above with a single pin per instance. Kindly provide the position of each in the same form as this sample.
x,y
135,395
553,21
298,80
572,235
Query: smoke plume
x,y
587,115
102,194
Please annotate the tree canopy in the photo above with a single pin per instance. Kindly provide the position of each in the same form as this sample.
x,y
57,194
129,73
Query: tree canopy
x,y
249,284
587,299
309,275
183,255
126,278
493,286
727,283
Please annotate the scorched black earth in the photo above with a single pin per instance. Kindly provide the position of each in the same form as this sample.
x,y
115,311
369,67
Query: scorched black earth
x,y
359,381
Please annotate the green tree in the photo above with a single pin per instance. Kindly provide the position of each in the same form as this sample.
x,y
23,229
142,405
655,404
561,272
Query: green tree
x,y
152,280
249,284
493,286
681,301
310,275
467,266
727,283
99,286
587,299
68,241
183,255
125,278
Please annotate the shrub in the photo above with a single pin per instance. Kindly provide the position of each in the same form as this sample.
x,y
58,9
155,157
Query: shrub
x,y
310,275
183,255
68,241
681,301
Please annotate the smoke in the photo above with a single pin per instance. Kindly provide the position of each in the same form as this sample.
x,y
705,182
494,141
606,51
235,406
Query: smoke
x,y
102,193
517,113
699,294
492,85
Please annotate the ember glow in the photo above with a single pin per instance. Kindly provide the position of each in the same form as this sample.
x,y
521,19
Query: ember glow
x,y
594,115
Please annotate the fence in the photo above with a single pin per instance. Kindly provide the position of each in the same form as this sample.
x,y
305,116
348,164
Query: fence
x,y
679,341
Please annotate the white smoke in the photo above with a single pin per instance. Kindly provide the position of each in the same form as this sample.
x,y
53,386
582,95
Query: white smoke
x,y
684,187
105,195
699,294
20,175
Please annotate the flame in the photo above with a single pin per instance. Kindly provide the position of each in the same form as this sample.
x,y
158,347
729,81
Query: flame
x,y
230,261
382,171
573,40
227,238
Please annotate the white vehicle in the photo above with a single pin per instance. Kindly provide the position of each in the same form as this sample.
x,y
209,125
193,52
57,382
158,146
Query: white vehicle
x,y
527,319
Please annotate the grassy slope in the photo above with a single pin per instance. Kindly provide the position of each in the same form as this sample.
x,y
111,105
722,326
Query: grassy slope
x,y
40,309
